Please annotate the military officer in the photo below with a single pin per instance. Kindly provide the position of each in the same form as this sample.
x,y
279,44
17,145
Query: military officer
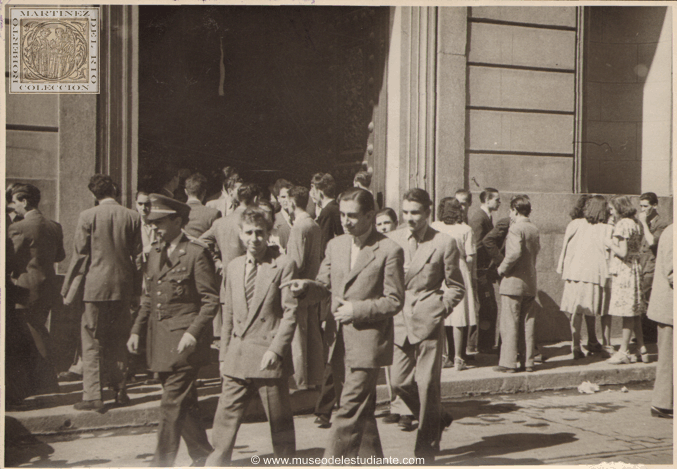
x,y
179,303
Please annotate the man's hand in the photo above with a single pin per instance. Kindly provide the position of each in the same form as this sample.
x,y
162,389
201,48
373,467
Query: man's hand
x,y
187,342
269,360
297,287
642,217
133,344
344,314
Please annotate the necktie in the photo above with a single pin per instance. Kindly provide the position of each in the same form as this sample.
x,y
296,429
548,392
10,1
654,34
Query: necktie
x,y
413,245
250,282
163,256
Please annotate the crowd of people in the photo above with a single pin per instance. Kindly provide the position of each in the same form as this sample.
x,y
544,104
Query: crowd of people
x,y
298,288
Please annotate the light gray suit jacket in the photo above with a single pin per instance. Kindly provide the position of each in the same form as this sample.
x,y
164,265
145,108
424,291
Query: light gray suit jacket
x,y
518,268
660,305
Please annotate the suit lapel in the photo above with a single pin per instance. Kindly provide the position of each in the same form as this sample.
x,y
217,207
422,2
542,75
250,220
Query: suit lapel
x,y
175,257
264,278
365,256
423,253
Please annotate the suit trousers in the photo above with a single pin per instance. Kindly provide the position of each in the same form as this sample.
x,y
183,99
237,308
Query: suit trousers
x,y
662,396
180,417
306,347
649,327
483,336
235,395
105,328
334,376
518,318
416,374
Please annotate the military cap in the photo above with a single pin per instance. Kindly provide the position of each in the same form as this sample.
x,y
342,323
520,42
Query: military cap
x,y
163,206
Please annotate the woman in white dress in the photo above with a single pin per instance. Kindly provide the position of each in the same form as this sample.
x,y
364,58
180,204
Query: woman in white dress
x,y
451,215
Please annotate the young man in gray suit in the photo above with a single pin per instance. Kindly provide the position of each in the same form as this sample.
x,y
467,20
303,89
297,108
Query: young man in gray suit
x,y
259,318
107,241
518,287
201,218
363,274
430,259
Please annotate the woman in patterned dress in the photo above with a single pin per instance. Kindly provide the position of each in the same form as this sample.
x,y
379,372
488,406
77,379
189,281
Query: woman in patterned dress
x,y
626,274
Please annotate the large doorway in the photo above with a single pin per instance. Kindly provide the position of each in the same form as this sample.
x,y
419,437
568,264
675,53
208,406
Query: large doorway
x,y
274,91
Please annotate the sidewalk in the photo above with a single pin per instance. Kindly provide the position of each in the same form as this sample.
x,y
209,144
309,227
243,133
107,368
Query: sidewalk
x,y
55,413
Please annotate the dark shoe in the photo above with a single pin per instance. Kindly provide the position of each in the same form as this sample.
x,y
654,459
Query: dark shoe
x,y
122,399
578,354
69,376
406,423
595,348
391,418
661,413
504,369
95,405
445,421
539,358
322,421
199,462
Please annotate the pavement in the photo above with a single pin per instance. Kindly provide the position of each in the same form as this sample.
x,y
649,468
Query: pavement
x,y
54,414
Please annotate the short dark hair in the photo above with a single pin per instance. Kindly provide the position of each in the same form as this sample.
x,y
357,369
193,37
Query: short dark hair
x,y
324,182
596,209
255,216
651,197
464,192
102,186
229,183
420,196
300,196
363,178
389,212
577,211
363,197
450,211
247,192
623,206
228,172
24,191
279,185
521,204
139,192
485,194
196,185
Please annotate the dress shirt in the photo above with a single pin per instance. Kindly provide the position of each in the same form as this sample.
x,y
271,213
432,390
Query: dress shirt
x,y
172,244
356,246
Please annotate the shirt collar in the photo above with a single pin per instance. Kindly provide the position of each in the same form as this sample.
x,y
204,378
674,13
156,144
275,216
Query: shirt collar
x,y
420,233
173,243
301,216
325,202
486,210
360,240
107,200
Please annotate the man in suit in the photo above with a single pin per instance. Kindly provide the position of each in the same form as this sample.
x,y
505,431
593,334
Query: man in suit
x,y
518,287
35,243
224,241
660,310
177,308
106,243
483,337
226,202
305,249
201,218
282,223
363,274
259,319
430,259
464,198
323,192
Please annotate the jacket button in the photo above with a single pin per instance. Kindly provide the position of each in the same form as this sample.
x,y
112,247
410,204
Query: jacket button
x,y
239,322
159,293
159,282
159,305
263,319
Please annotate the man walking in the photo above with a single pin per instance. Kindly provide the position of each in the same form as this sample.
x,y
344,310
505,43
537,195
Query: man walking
x,y
430,259
177,308
259,318
323,192
107,241
363,274
518,288
200,218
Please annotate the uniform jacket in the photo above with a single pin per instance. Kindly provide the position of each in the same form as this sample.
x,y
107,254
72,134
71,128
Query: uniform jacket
x,y
268,325
375,286
519,265
110,236
224,238
200,218
36,243
481,225
329,220
179,297
282,228
660,305
425,304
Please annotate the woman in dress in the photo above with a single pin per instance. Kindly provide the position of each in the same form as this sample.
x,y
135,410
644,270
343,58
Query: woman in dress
x,y
451,214
626,274
583,266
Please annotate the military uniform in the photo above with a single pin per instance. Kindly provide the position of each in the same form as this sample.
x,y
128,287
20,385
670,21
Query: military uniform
x,y
180,295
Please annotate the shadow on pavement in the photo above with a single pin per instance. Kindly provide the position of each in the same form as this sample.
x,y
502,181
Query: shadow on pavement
x,y
476,408
499,445
21,446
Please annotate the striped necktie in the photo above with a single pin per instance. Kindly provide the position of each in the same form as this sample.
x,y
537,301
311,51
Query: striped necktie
x,y
250,281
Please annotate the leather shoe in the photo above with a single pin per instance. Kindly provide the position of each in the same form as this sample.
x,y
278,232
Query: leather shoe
x,y
122,399
391,418
406,423
199,462
322,421
504,369
96,405
69,376
661,413
446,420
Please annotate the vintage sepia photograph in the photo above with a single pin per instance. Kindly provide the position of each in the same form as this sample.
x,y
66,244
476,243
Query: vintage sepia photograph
x,y
326,234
